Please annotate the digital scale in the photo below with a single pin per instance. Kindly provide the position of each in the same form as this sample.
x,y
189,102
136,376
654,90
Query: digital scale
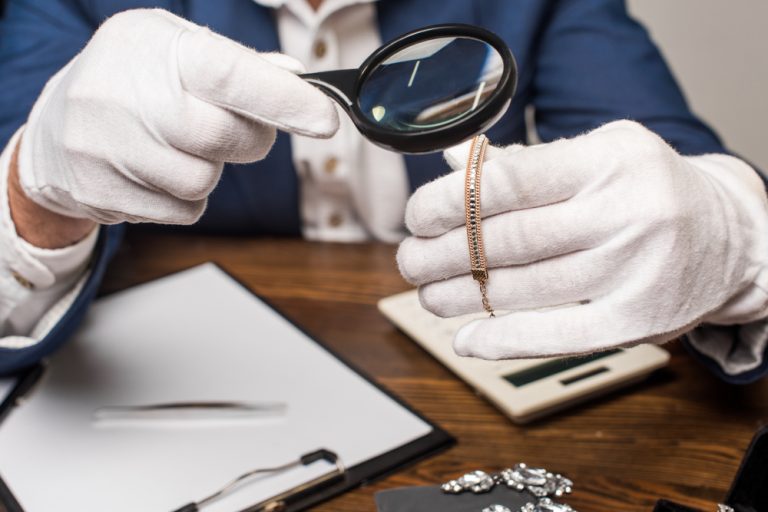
x,y
524,389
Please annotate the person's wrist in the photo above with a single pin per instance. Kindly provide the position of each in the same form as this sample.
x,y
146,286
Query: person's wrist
x,y
37,225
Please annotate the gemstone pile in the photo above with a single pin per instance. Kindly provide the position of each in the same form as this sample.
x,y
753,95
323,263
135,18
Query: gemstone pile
x,y
537,481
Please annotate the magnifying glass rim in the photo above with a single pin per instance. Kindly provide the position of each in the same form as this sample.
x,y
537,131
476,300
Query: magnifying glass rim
x,y
433,139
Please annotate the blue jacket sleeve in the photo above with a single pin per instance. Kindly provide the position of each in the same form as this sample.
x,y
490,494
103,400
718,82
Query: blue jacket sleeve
x,y
37,38
12,360
595,64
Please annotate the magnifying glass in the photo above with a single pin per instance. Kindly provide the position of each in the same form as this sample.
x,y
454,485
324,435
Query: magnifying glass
x,y
428,89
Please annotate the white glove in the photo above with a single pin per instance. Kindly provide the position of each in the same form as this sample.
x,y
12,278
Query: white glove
x,y
137,127
632,242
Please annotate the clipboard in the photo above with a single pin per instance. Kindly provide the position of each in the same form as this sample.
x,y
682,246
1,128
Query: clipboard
x,y
354,475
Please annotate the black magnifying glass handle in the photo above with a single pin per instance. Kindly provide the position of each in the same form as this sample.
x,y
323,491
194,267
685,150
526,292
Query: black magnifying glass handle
x,y
339,84
190,507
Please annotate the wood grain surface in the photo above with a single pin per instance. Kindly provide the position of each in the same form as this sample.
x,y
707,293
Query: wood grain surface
x,y
679,435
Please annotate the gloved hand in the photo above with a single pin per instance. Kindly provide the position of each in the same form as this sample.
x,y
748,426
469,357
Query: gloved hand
x,y
607,239
138,126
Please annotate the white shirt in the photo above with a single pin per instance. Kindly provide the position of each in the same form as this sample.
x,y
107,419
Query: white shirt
x,y
351,190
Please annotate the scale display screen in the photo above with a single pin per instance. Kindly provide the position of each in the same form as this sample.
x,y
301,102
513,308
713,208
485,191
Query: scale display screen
x,y
553,367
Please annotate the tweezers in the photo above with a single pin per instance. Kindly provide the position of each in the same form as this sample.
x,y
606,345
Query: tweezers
x,y
191,410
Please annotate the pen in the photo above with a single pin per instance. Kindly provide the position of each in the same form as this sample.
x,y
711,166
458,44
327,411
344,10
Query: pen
x,y
214,410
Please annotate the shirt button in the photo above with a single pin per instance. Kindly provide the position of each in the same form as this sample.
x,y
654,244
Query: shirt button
x,y
335,220
330,165
320,49
22,280
303,168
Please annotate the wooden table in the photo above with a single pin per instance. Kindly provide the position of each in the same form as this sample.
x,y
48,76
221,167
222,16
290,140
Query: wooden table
x,y
679,435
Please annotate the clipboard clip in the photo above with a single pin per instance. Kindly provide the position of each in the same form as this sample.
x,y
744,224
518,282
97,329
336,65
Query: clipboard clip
x,y
280,502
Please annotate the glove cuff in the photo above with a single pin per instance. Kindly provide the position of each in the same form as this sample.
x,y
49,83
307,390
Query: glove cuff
x,y
747,214
40,193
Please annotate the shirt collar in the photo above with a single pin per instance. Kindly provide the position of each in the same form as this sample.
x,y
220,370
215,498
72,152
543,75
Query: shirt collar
x,y
270,3
333,5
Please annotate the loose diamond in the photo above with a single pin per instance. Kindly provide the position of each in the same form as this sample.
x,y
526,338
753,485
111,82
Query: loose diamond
x,y
496,508
476,481
538,481
546,505
453,487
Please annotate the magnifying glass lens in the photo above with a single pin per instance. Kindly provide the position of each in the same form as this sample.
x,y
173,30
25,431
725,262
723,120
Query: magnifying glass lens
x,y
430,84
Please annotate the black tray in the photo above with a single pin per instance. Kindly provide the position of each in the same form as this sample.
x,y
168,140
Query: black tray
x,y
749,490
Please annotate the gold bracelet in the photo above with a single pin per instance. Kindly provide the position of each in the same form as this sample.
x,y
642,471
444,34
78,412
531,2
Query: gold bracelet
x,y
477,259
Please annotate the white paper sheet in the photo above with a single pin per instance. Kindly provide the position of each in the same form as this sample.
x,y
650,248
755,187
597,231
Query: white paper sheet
x,y
193,336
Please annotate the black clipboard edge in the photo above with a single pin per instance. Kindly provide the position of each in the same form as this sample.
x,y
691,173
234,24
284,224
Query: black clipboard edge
x,y
26,380
357,476
7,499
379,467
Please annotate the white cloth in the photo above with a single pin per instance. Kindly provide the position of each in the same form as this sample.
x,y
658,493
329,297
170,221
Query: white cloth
x,y
607,239
137,127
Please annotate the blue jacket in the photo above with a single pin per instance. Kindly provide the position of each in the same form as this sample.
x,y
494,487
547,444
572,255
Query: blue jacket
x,y
582,63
